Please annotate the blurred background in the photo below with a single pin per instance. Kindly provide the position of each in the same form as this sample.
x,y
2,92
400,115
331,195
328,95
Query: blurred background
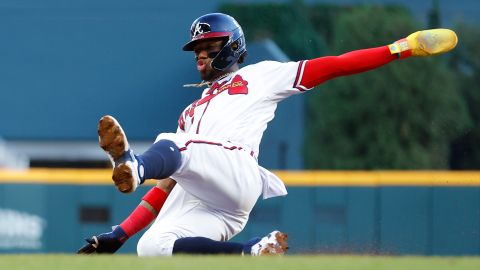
x,y
63,65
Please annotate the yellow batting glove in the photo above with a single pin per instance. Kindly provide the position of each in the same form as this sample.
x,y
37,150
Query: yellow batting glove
x,y
425,43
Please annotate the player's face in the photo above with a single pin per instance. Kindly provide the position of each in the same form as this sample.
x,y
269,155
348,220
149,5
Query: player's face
x,y
205,51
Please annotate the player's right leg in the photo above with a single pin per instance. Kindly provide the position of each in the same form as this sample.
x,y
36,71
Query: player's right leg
x,y
275,243
160,161
187,226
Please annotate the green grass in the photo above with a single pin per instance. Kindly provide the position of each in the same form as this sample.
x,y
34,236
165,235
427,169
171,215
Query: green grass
x,y
131,262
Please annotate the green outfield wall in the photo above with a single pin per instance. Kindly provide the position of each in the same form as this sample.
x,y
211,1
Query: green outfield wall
x,y
421,213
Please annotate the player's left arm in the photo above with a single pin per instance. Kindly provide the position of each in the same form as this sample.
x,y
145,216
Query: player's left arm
x,y
421,43
141,217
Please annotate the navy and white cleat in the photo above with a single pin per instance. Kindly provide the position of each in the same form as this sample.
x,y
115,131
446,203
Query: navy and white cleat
x,y
275,243
127,174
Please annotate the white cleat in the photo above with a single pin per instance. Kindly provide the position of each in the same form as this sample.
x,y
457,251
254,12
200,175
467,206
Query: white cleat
x,y
275,243
114,142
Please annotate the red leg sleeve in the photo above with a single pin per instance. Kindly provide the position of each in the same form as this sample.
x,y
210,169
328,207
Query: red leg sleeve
x,y
321,69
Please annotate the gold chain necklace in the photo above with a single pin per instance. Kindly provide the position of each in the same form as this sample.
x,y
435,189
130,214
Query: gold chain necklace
x,y
207,83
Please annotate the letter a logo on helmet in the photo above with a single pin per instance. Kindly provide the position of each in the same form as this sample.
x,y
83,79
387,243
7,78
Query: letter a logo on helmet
x,y
219,25
200,28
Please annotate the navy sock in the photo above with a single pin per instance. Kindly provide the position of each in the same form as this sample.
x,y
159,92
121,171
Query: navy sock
x,y
160,161
202,245
247,248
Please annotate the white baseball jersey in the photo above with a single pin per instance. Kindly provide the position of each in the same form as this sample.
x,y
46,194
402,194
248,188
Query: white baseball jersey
x,y
237,108
219,135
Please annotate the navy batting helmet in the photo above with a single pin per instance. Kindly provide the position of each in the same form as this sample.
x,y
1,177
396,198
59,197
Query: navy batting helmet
x,y
219,25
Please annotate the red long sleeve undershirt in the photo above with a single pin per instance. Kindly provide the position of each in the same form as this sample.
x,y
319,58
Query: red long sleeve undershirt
x,y
141,217
321,69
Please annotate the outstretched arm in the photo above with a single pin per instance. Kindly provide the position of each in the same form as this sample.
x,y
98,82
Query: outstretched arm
x,y
140,218
321,69
421,43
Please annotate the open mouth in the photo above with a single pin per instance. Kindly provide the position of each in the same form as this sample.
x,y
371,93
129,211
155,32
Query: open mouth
x,y
201,65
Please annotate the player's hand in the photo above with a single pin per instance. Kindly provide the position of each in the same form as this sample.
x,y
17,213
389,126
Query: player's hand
x,y
425,43
105,243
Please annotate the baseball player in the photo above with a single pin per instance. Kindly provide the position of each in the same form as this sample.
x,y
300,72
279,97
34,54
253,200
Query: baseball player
x,y
213,155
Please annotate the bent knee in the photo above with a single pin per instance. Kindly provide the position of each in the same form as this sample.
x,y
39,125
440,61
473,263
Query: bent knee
x,y
158,245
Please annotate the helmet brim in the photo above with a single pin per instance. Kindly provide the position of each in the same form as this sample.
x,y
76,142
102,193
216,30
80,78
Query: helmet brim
x,y
191,44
